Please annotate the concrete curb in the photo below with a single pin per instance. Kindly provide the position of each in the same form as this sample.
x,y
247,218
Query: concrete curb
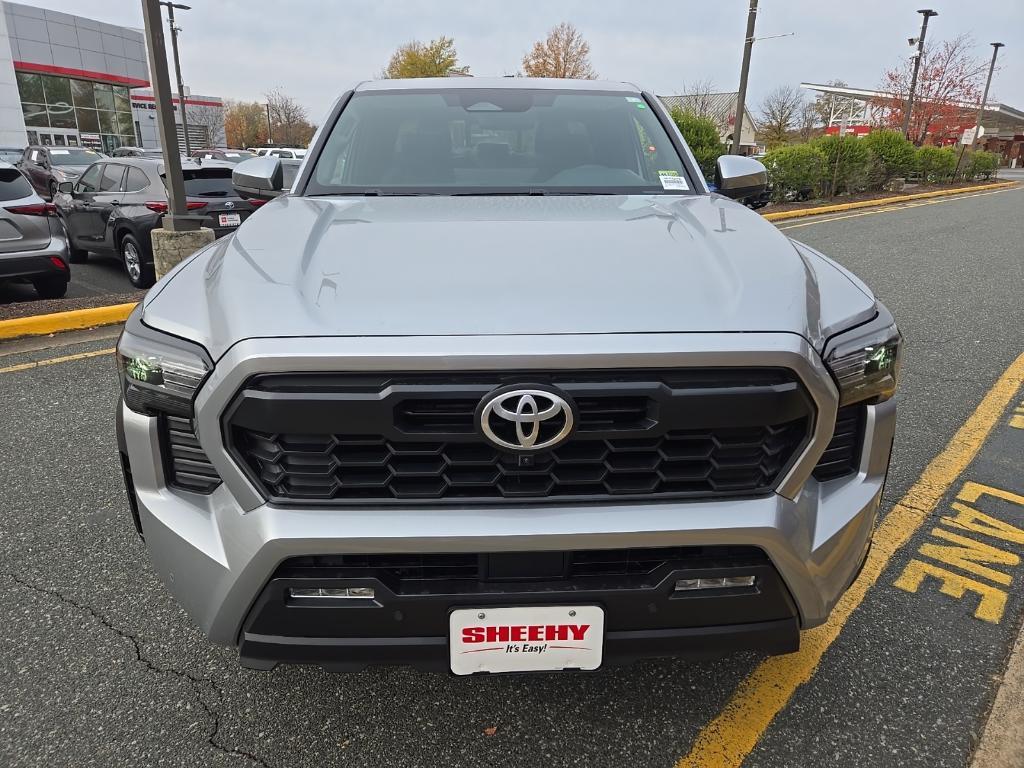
x,y
801,212
40,325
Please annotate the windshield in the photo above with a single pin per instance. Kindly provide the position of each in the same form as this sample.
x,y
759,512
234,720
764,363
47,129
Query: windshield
x,y
498,141
237,155
73,156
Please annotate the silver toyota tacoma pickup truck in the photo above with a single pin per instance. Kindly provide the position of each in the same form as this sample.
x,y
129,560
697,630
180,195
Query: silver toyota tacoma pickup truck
x,y
498,384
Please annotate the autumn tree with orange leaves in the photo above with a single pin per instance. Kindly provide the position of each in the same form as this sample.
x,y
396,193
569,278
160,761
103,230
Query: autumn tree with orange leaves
x,y
563,53
949,87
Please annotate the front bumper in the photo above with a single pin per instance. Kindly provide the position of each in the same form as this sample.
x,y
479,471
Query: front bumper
x,y
218,552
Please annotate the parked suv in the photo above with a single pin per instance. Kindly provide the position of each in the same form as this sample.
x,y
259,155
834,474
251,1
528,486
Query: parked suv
x,y
117,202
33,247
498,385
46,167
226,155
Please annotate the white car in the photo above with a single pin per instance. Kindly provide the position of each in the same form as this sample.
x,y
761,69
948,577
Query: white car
x,y
288,153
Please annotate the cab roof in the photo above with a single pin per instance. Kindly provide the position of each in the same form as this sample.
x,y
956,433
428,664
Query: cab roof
x,y
511,83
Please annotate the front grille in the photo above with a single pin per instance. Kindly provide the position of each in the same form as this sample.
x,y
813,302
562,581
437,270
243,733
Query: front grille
x,y
185,462
713,462
380,438
436,572
842,455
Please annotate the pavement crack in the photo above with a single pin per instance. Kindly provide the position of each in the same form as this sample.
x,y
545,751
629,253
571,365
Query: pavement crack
x,y
197,683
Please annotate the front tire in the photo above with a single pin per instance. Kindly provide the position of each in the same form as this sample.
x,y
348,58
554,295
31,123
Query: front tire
x,y
140,272
53,190
51,287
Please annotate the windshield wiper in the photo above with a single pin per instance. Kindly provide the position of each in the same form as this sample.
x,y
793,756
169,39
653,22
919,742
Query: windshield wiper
x,y
503,193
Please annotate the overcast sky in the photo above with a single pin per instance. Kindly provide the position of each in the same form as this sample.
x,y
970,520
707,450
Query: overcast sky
x,y
314,49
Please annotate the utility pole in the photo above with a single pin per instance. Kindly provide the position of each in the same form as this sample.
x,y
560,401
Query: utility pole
x,y
981,108
741,97
927,13
177,67
176,220
270,134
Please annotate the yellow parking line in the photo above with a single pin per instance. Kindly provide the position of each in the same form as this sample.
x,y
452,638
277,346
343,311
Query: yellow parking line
x,y
895,207
727,740
55,360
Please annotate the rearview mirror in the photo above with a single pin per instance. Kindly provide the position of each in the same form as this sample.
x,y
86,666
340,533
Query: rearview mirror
x,y
739,177
66,187
260,177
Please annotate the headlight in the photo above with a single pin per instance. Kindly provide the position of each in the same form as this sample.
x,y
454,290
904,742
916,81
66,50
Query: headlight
x,y
159,373
865,361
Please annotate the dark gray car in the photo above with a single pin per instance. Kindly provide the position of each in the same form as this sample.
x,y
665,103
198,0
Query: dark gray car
x,y
33,247
498,385
117,202
46,167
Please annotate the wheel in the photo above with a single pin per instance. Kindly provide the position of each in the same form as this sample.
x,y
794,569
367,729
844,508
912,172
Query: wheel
x,y
140,270
51,287
53,190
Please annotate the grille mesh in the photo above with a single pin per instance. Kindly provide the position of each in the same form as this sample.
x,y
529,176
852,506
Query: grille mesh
x,y
706,462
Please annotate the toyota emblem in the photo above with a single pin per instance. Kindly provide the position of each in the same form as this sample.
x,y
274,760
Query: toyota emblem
x,y
229,204
526,418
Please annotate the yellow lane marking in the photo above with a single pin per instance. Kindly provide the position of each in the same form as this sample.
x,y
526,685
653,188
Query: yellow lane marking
x,y
55,360
894,208
727,740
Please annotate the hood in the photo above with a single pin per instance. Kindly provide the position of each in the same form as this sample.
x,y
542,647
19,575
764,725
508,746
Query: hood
x,y
69,170
438,266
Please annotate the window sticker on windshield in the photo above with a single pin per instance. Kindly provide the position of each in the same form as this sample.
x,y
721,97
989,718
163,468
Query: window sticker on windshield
x,y
58,152
634,99
672,180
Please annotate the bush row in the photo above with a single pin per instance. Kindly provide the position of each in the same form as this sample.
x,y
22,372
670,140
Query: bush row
x,y
832,165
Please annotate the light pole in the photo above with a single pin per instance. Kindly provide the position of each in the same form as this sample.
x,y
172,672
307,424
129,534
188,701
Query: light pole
x,y
177,66
270,133
927,13
984,98
741,96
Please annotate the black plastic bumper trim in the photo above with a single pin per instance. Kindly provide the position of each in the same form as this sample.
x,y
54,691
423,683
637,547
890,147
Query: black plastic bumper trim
x,y
431,653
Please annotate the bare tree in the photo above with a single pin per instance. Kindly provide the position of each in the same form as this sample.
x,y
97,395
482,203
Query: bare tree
x,y
808,120
832,107
563,53
700,98
780,111
290,123
211,118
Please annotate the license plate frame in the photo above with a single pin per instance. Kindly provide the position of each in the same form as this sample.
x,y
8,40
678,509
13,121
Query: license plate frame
x,y
555,638
229,219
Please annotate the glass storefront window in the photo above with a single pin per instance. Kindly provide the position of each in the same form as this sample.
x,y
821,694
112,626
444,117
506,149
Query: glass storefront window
x,y
104,96
83,93
35,115
87,120
61,116
107,122
121,102
124,122
57,90
31,88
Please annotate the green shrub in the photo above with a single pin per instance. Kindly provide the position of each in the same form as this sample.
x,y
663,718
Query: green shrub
x,y
982,164
895,155
795,172
847,163
936,164
702,136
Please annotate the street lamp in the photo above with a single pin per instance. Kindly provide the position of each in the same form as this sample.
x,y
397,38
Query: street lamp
x,y
927,13
177,65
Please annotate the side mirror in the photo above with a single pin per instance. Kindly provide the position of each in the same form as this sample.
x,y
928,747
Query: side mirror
x,y
260,177
738,177
66,187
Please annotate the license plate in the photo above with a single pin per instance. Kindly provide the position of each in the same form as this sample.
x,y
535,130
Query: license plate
x,y
538,639
230,219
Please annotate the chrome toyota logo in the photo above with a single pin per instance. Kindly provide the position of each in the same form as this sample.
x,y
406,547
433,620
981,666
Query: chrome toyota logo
x,y
525,419
229,204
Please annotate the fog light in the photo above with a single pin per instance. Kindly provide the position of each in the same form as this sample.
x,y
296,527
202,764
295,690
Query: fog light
x,y
360,593
722,582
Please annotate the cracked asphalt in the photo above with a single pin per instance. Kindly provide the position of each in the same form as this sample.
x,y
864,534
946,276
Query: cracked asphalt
x,y
99,666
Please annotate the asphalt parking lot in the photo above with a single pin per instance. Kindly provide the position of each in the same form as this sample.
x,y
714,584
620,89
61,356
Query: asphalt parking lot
x,y
99,667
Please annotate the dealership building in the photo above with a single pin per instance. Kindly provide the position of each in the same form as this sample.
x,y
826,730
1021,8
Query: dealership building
x,y
70,81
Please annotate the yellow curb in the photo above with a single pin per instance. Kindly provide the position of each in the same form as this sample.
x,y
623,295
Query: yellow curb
x,y
40,325
883,201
